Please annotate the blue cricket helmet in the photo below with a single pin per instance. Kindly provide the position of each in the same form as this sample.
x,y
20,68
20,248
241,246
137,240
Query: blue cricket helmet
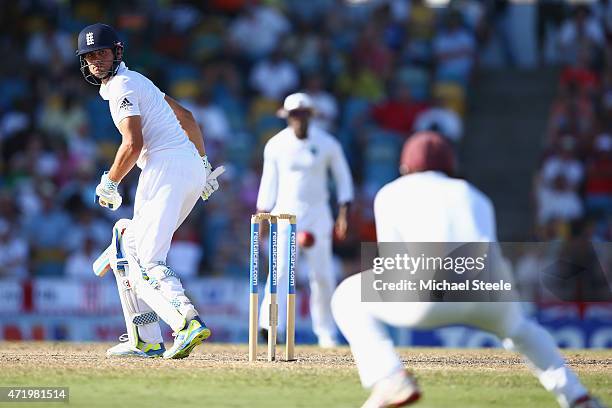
x,y
96,37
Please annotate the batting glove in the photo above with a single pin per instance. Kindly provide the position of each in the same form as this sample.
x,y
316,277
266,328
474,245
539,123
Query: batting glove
x,y
107,194
212,184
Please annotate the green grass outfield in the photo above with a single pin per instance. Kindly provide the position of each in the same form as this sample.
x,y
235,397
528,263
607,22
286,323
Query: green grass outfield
x,y
218,375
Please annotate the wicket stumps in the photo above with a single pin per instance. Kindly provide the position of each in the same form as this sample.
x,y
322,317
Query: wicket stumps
x,y
254,284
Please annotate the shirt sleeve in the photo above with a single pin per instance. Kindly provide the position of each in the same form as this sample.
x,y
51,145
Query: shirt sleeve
x,y
342,174
268,188
124,100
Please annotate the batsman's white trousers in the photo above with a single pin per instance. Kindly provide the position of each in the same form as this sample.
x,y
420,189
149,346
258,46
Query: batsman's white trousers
x,y
362,325
168,188
317,262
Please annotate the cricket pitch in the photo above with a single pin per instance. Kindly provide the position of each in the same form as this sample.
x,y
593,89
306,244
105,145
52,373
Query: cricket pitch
x,y
219,375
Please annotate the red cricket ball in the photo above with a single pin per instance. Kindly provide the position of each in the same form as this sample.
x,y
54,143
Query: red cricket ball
x,y
305,239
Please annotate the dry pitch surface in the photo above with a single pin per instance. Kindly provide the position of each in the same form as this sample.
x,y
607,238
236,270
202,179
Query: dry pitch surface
x,y
219,375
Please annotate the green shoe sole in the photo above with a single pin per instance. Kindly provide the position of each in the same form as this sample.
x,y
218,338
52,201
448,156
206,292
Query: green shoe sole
x,y
198,339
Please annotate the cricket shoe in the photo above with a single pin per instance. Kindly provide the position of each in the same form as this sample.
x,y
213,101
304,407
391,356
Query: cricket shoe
x,y
143,350
185,340
397,390
587,402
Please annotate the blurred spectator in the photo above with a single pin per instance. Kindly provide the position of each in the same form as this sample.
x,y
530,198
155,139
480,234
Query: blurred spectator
x,y
211,118
580,75
307,49
47,232
86,226
602,11
528,268
172,44
454,50
398,113
51,48
77,192
558,200
183,17
274,77
63,116
14,120
440,119
554,230
14,252
359,82
326,106
78,264
185,252
581,277
571,113
564,163
82,151
226,263
420,22
580,33
498,16
370,52
225,85
415,34
256,33
598,189
550,14
472,12
558,184
32,170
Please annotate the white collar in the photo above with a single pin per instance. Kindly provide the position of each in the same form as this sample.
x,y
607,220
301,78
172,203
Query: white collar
x,y
104,87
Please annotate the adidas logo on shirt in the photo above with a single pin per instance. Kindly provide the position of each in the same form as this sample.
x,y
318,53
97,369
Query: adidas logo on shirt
x,y
125,104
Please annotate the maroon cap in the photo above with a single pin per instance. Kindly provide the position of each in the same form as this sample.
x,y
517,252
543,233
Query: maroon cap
x,y
425,151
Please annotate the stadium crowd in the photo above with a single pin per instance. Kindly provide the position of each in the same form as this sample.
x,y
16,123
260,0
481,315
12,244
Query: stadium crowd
x,y
377,71
573,187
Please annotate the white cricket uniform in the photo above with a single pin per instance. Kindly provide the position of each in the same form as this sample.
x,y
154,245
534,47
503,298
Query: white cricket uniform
x,y
431,207
171,181
295,181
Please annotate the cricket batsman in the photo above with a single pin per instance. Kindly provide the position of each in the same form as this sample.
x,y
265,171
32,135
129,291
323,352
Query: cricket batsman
x,y
426,205
294,180
164,141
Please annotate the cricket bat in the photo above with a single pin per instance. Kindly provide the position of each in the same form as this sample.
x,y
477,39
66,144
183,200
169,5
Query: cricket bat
x,y
101,265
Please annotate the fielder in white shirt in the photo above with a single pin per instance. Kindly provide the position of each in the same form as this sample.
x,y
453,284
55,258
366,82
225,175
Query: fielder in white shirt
x,y
425,205
294,180
164,141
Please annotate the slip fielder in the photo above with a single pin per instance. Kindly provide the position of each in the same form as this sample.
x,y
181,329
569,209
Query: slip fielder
x,y
164,141
425,205
294,181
